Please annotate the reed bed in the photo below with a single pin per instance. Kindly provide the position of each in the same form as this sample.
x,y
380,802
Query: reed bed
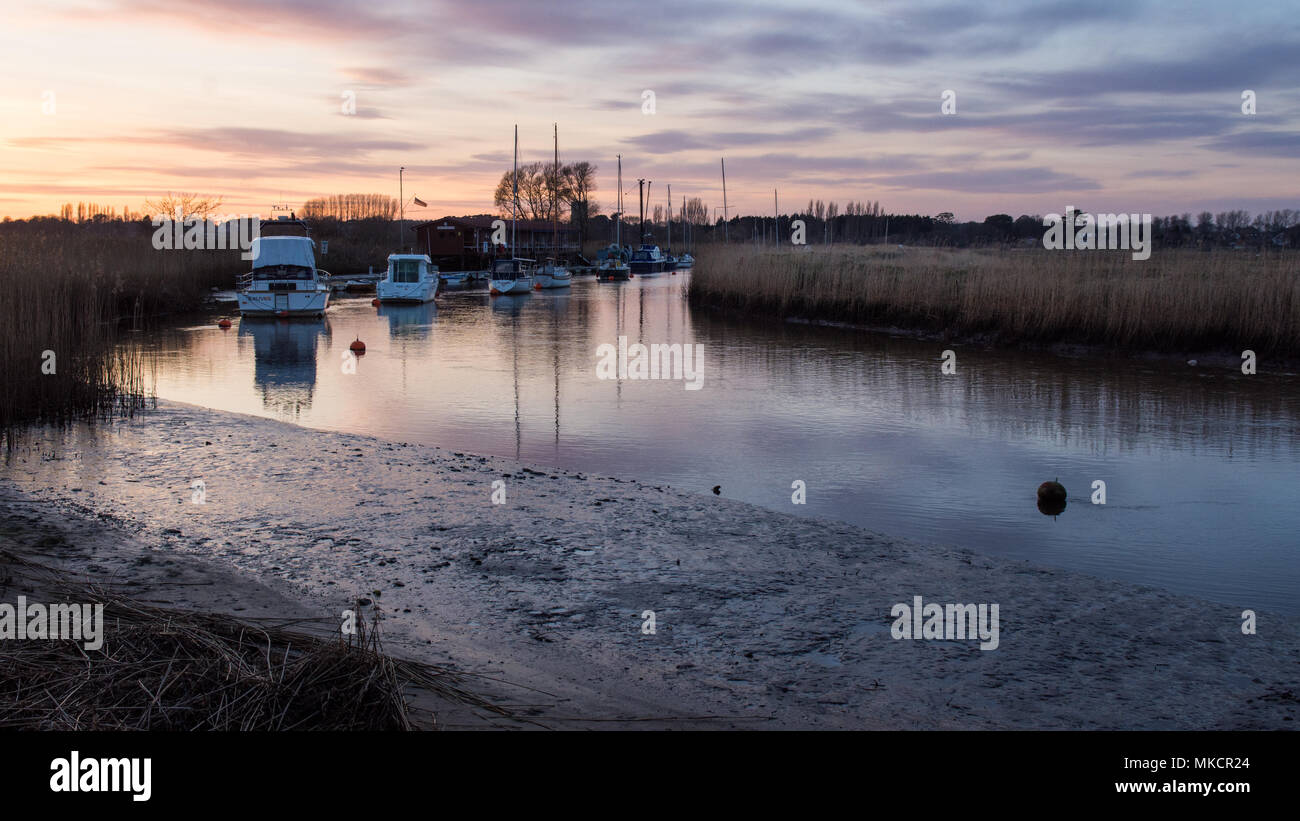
x,y
70,290
169,669
1175,301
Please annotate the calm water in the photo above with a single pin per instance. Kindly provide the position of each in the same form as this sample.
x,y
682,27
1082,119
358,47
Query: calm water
x,y
1202,468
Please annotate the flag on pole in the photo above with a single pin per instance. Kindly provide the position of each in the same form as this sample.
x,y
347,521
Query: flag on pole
x,y
419,202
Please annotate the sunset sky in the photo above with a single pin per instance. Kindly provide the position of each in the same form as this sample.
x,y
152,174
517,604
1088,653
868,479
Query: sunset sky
x,y
1106,106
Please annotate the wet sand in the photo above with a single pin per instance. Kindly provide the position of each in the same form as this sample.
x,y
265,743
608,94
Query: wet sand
x,y
762,619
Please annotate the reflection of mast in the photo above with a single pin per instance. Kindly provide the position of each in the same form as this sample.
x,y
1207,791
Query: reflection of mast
x,y
514,338
555,348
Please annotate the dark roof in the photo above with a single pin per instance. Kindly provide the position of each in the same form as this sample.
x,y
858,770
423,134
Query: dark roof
x,y
486,220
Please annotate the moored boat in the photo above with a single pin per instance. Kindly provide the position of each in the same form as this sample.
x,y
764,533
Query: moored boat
x,y
411,278
284,280
551,275
511,276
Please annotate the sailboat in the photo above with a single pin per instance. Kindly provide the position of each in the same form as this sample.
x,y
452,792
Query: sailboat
x,y
612,267
514,275
647,260
552,274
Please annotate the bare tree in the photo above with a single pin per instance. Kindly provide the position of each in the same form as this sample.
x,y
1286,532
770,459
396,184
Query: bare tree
x,y
183,205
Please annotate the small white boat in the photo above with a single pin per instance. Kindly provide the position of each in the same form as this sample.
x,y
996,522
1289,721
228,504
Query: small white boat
x,y
284,281
454,279
685,261
551,275
511,276
411,278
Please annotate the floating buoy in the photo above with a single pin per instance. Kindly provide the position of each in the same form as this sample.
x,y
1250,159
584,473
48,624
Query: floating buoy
x,y
494,292
375,302
1051,492
282,313
537,286
225,323
357,346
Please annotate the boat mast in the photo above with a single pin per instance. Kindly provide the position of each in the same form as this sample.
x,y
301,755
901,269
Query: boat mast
x,y
555,200
618,219
514,205
640,206
670,216
401,224
725,234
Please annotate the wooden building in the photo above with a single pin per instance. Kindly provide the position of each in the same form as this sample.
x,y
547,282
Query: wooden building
x,y
463,243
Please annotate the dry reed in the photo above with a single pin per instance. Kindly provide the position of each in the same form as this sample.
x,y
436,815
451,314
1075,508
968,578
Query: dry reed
x,y
67,290
169,669
1176,300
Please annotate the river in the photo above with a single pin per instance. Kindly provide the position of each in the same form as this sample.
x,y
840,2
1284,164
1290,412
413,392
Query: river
x,y
1201,467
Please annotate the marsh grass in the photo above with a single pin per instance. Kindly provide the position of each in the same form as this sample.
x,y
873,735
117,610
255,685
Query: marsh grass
x,y
1176,300
164,668
75,290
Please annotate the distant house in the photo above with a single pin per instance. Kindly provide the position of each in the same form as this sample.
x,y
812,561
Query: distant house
x,y
466,240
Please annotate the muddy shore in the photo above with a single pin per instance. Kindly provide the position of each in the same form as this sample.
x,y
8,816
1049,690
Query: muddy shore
x,y
762,619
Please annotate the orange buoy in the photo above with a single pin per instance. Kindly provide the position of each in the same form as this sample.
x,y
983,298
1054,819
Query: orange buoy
x,y
537,286
282,313
225,323
494,292
375,302
357,346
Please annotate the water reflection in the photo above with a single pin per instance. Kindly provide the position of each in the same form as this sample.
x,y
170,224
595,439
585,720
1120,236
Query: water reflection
x,y
284,361
413,322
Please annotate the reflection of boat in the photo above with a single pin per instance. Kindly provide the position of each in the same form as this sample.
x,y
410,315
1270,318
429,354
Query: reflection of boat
x,y
411,278
284,280
284,361
409,320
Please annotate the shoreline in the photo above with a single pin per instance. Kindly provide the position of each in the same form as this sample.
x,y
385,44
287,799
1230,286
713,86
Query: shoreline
x,y
1284,365
763,619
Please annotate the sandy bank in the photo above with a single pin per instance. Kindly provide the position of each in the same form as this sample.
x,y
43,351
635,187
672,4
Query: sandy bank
x,y
763,620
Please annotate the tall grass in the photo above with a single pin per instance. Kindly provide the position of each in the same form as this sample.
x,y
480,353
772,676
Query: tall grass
x,y
1176,300
66,292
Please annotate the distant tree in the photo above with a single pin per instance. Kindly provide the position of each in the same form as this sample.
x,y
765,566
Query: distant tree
x,y
185,204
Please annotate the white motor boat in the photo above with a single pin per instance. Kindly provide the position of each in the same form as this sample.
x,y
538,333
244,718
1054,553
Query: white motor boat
x,y
411,278
511,276
685,261
284,281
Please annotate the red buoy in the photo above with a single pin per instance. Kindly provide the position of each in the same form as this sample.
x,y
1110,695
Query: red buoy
x,y
225,323
375,302
282,313
357,346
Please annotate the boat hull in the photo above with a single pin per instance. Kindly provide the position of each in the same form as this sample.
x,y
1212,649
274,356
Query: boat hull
x,y
511,286
561,279
410,292
284,303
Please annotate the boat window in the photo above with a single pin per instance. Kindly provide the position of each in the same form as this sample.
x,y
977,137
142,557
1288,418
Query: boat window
x,y
282,272
406,270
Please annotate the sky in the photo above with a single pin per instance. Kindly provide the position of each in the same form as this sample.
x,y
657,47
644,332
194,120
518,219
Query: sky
x,y
1107,106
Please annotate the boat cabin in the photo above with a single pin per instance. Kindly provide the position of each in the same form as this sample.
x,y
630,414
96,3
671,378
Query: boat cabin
x,y
410,268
